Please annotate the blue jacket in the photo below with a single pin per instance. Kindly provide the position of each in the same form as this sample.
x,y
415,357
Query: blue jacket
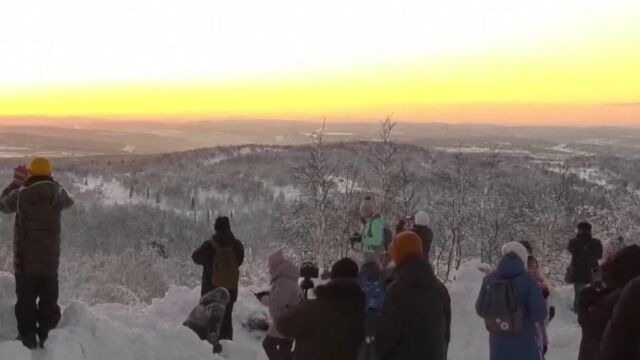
x,y
522,346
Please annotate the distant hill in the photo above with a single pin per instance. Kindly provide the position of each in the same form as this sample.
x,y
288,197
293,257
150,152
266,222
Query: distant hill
x,y
82,136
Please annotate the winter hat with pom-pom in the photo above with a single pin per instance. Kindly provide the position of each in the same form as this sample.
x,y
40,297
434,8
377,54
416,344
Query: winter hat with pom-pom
x,y
518,249
404,245
422,218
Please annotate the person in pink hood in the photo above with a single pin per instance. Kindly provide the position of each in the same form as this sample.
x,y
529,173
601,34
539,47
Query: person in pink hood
x,y
285,294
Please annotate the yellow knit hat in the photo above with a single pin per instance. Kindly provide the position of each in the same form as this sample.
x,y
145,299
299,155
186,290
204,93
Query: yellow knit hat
x,y
40,166
404,245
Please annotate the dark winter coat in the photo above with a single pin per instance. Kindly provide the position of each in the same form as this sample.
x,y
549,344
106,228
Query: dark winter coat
x,y
330,326
595,309
416,316
206,253
585,253
38,206
206,318
426,235
521,346
621,340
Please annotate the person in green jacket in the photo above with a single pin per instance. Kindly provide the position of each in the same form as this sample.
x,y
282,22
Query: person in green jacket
x,y
373,231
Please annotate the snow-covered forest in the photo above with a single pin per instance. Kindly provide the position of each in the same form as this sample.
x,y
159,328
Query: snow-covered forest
x,y
138,218
127,279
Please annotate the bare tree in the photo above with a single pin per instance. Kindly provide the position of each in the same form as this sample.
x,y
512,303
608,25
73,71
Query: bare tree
x,y
383,157
317,180
348,204
407,195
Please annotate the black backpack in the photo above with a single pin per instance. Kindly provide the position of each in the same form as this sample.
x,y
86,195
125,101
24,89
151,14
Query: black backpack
x,y
501,309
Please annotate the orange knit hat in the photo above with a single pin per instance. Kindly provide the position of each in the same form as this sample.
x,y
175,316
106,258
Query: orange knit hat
x,y
405,244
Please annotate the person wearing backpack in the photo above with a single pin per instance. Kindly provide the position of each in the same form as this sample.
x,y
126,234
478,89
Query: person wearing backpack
x,y
221,258
415,320
285,294
511,303
373,286
38,202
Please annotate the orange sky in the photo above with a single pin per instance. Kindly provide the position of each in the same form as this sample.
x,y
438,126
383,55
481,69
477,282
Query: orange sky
x,y
526,62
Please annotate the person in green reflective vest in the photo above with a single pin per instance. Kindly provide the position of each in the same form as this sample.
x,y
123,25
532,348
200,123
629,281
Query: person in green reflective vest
x,y
373,230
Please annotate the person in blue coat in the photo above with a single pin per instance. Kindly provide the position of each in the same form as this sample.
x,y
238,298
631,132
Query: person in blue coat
x,y
522,345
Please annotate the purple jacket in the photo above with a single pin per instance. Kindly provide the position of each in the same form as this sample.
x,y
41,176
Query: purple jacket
x,y
285,291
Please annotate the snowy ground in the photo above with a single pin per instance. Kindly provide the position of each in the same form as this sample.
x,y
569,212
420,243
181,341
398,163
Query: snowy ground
x,y
154,331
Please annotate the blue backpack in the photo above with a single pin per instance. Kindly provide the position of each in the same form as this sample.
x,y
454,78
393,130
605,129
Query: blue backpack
x,y
501,308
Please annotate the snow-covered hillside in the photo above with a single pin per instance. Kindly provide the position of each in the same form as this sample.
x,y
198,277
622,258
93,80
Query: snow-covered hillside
x,y
154,331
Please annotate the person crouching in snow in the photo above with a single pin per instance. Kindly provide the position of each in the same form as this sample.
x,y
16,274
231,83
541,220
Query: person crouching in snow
x,y
38,202
415,321
284,295
511,303
206,318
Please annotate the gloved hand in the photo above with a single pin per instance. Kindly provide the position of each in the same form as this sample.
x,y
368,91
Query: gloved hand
x,y
355,238
20,175
261,295
552,313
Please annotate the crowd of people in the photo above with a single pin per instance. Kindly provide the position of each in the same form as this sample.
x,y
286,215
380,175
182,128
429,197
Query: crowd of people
x,y
389,306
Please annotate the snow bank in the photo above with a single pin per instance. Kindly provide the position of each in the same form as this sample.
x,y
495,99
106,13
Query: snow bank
x,y
113,331
154,331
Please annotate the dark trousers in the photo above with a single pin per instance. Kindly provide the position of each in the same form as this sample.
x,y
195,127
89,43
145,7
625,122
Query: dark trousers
x,y
577,288
226,330
37,310
277,349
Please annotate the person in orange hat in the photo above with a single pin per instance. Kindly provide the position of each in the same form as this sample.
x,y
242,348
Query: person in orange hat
x,y
38,201
415,322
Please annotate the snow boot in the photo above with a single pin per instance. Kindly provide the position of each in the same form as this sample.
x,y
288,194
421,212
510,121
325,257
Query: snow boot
x,y
42,338
29,341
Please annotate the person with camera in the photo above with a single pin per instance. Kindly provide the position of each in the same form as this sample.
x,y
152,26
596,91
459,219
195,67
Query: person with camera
x,y
373,234
415,321
283,296
331,326
585,252
38,202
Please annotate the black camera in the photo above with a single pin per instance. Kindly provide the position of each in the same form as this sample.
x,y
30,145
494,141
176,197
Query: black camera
x,y
308,271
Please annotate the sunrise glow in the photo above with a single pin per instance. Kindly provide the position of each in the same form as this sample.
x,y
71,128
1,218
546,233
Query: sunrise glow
x,y
569,62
